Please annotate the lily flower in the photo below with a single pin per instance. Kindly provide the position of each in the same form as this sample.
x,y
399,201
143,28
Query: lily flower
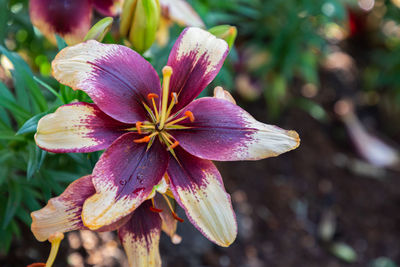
x,y
176,11
139,231
68,18
149,131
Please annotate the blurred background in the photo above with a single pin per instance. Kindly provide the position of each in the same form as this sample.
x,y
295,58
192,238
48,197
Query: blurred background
x,y
329,69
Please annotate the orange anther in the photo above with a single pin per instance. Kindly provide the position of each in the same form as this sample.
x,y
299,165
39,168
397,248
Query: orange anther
x,y
37,264
138,125
175,144
152,95
177,218
154,209
145,139
190,115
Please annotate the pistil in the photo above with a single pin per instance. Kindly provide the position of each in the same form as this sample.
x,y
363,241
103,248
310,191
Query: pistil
x,y
167,72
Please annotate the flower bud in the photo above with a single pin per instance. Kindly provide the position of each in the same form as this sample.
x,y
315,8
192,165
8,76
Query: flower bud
x,y
226,32
139,22
99,30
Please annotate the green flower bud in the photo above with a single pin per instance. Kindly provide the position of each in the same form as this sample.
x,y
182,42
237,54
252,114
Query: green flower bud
x,y
139,22
226,32
99,30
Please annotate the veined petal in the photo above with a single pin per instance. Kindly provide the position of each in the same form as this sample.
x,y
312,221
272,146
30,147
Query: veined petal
x,y
63,213
108,7
223,131
196,59
116,78
169,223
68,18
77,127
181,12
140,237
123,177
197,186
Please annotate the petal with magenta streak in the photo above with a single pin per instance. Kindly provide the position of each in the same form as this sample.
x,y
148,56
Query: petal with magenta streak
x,y
224,131
67,18
116,78
196,59
78,127
198,188
140,237
123,177
63,213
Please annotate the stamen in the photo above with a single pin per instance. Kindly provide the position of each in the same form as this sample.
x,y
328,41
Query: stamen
x,y
179,219
55,240
37,264
174,100
172,209
175,144
138,125
190,115
167,72
152,96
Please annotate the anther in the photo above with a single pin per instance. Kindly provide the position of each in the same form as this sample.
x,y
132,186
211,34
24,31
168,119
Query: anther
x,y
152,95
145,139
138,125
154,209
190,115
177,217
174,97
175,144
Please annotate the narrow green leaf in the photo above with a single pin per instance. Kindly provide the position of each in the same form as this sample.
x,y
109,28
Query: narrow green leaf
x,y
13,202
10,135
49,88
60,42
30,125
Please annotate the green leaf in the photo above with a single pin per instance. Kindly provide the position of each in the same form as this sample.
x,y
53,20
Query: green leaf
x,y
24,82
13,202
36,158
30,126
60,42
49,88
10,135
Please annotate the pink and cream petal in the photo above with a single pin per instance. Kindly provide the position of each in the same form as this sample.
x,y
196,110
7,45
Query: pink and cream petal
x,y
169,223
108,7
196,59
225,132
198,188
67,18
140,237
123,177
181,12
116,78
63,213
78,127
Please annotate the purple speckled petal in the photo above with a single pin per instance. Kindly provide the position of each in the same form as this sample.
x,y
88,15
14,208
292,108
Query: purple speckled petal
x,y
107,7
140,237
68,18
63,213
123,177
196,59
198,188
224,131
78,127
116,78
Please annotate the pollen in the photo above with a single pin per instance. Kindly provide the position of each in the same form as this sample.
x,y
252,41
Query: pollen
x,y
154,209
138,125
152,95
175,144
190,115
145,139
